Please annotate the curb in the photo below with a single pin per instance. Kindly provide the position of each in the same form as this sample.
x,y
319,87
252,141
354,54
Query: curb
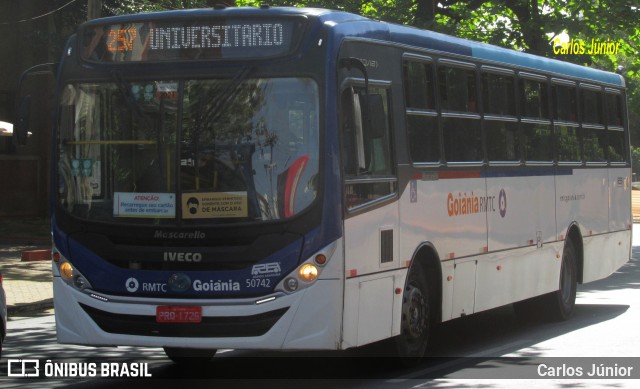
x,y
35,255
42,305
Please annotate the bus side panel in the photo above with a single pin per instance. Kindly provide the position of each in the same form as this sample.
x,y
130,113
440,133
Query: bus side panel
x,y
523,213
372,311
369,297
620,204
521,228
581,196
604,254
362,240
448,211
509,276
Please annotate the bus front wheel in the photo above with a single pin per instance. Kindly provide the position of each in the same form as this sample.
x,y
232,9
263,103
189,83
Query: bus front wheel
x,y
416,316
181,355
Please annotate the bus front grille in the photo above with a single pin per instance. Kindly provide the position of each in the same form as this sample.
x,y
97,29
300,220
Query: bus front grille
x,y
210,327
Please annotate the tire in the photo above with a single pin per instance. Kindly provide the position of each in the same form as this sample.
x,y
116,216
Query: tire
x,y
192,356
562,301
558,305
412,342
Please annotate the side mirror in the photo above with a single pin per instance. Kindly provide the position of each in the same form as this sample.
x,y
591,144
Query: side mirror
x,y
21,130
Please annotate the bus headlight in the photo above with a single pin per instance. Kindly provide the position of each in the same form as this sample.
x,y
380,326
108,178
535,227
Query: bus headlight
x,y
72,276
308,272
66,271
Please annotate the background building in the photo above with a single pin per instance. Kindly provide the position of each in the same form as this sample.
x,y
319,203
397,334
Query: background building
x,y
27,40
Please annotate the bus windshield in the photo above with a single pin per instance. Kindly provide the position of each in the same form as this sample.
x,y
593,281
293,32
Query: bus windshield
x,y
194,152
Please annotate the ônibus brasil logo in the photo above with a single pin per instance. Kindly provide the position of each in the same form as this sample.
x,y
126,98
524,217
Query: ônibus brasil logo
x,y
465,203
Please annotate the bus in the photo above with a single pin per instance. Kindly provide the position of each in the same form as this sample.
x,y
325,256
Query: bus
x,y
308,179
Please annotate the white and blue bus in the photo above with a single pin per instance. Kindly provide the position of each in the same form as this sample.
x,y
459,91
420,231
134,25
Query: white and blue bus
x,y
306,179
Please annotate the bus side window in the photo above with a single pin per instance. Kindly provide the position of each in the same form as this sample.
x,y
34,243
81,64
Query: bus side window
x,y
501,127
614,110
365,141
418,85
565,108
422,120
348,133
457,89
536,126
462,133
617,145
594,137
533,99
367,159
566,131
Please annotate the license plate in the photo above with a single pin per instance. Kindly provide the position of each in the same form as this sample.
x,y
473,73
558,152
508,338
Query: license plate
x,y
178,314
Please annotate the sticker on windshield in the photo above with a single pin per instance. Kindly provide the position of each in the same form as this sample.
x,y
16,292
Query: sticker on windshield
x,y
214,205
167,90
157,205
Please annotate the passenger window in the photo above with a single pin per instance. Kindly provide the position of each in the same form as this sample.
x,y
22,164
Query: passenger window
x,y
457,89
594,142
422,121
534,99
499,95
568,143
614,109
462,139
564,101
503,143
424,139
418,85
591,107
537,142
617,146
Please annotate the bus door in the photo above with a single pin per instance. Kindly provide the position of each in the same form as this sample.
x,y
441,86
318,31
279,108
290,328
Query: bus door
x,y
371,214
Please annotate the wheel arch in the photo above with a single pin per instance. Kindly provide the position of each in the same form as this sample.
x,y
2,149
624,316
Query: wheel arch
x,y
574,234
427,255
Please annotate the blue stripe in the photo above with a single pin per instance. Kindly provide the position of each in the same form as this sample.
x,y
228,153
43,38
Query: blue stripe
x,y
542,172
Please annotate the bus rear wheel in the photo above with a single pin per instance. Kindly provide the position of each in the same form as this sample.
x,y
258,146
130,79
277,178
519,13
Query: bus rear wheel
x,y
411,344
563,300
191,356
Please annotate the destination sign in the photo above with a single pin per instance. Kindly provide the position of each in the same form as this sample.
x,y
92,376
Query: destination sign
x,y
186,41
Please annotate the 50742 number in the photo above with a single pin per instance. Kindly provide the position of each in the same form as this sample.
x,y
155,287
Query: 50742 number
x,y
258,283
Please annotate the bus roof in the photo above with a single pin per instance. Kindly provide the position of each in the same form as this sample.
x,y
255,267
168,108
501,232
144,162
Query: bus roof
x,y
355,25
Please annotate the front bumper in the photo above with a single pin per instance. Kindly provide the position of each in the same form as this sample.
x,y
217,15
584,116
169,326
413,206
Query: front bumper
x,y
307,320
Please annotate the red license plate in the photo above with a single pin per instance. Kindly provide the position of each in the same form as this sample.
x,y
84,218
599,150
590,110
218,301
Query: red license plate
x,y
178,314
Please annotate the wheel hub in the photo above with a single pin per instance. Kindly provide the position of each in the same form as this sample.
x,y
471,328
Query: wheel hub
x,y
414,312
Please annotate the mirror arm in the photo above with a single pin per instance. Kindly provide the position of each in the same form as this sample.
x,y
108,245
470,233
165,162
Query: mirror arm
x,y
23,104
355,63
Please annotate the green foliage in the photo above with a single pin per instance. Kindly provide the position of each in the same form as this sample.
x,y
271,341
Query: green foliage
x,y
122,7
635,162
